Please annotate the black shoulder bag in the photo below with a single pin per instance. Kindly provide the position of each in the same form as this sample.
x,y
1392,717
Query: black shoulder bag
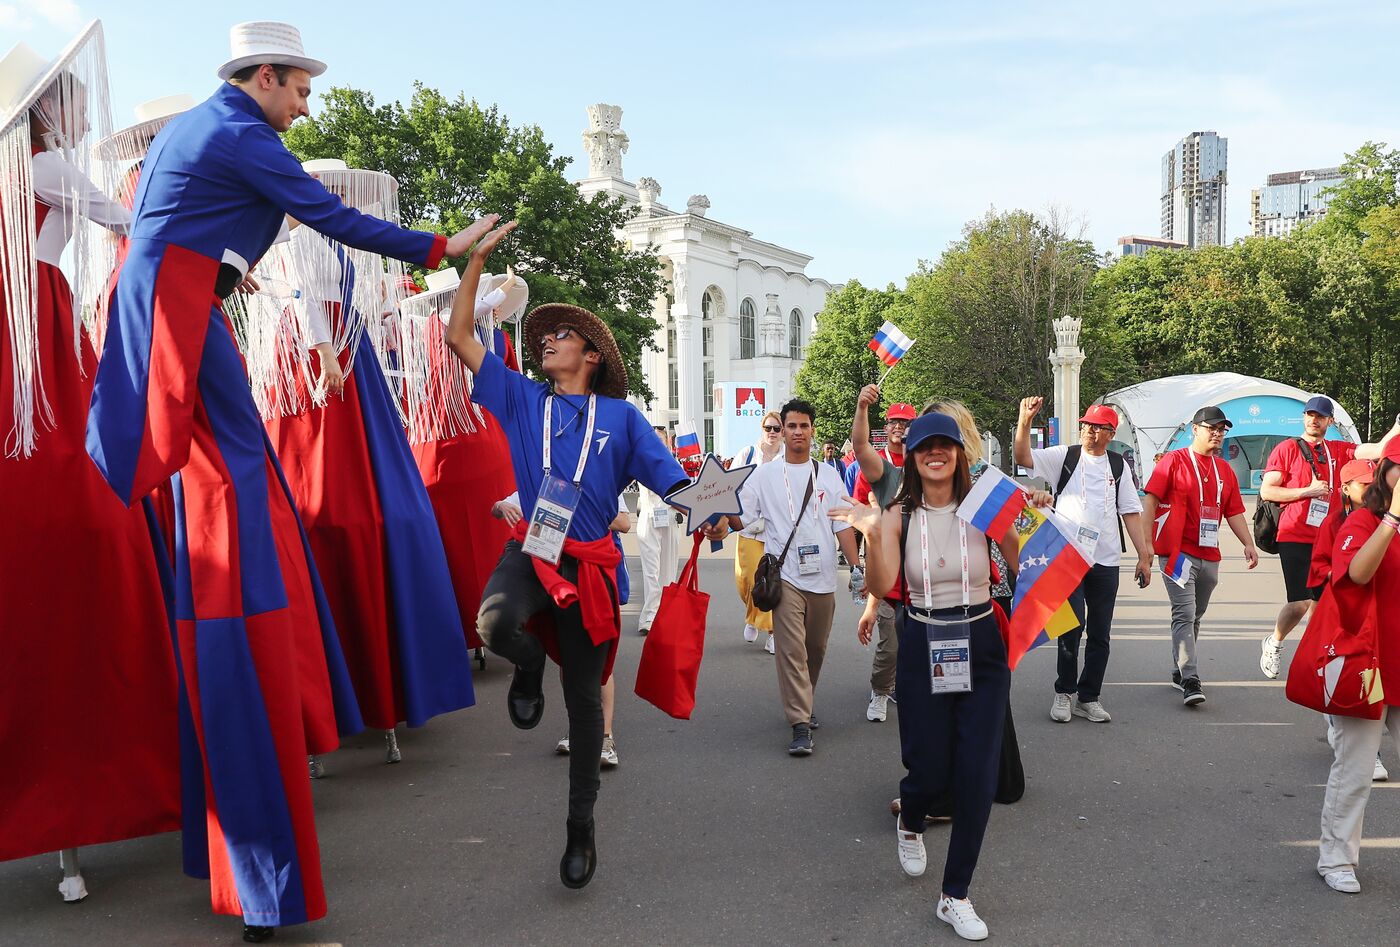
x,y
767,589
1267,513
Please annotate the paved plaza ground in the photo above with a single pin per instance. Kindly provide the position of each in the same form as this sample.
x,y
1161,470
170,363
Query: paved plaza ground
x,y
1166,826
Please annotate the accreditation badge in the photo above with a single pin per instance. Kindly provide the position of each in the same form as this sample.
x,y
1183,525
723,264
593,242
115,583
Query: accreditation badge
x,y
661,517
1317,511
950,658
549,523
1209,537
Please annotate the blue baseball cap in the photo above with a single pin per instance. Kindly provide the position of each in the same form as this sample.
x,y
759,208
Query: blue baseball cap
x,y
929,425
1320,404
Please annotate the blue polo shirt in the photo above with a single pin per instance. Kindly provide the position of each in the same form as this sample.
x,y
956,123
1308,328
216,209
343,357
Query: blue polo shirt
x,y
624,447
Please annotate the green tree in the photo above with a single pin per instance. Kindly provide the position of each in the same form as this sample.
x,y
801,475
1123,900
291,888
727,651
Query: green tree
x,y
456,160
1372,176
839,363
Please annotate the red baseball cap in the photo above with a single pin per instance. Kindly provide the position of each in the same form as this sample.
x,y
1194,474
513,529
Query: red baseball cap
x,y
1100,414
1392,450
1362,471
899,411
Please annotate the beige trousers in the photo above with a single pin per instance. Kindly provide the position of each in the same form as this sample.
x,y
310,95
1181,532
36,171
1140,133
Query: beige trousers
x,y
801,627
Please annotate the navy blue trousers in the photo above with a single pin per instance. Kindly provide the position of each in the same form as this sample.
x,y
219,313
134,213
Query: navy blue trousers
x,y
951,743
1093,605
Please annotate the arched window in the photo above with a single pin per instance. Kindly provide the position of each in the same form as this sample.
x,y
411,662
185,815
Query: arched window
x,y
795,334
707,327
747,335
673,378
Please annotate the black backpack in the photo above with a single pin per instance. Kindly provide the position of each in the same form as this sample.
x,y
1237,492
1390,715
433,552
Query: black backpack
x,y
1116,465
1267,513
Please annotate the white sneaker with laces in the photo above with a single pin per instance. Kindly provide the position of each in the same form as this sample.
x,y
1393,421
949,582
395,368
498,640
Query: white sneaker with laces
x,y
1379,774
769,646
562,747
1270,657
1343,880
73,888
1092,711
609,758
750,634
1059,710
878,709
959,912
912,856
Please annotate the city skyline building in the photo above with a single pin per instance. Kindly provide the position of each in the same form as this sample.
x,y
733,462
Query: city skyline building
x,y
1289,199
1193,190
1138,245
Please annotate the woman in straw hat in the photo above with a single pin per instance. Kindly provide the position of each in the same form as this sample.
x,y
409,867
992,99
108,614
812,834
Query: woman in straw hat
x,y
575,445
172,398
88,691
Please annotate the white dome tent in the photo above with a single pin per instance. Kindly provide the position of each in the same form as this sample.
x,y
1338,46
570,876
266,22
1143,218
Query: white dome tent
x,y
1155,417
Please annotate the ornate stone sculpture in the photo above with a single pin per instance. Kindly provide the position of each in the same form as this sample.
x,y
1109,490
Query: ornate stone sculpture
x,y
697,205
605,141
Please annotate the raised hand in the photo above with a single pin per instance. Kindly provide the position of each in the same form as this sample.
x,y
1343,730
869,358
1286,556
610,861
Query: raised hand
x,y
1030,407
460,242
486,244
869,395
864,517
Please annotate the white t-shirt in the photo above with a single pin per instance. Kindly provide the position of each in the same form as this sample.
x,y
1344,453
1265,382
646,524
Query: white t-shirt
x,y
774,493
1088,498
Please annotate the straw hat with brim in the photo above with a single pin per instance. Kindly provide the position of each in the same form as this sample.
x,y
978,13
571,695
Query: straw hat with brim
x,y
612,383
132,142
517,297
25,75
267,41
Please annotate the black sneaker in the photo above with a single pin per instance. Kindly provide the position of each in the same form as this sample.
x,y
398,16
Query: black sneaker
x,y
1191,693
1176,679
801,744
813,724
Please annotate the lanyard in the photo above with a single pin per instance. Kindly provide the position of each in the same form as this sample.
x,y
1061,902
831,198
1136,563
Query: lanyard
x,y
885,453
1200,484
583,448
1331,464
792,510
923,548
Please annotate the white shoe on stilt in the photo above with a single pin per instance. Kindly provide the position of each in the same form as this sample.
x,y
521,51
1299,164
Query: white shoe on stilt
x,y
72,887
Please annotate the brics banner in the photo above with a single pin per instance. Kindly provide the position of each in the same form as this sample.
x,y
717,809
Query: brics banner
x,y
739,410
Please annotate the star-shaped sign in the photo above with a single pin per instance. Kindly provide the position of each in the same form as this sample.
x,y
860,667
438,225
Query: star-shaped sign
x,y
712,494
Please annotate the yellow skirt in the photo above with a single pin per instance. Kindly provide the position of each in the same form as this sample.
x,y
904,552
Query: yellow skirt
x,y
745,562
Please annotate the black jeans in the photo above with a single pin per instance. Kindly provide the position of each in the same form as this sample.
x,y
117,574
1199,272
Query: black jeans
x,y
1097,594
512,595
951,743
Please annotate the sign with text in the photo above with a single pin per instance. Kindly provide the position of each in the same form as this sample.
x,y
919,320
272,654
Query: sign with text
x,y
739,410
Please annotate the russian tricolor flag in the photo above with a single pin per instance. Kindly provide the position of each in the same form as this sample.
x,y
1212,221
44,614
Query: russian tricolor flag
x,y
1178,569
994,503
687,444
890,344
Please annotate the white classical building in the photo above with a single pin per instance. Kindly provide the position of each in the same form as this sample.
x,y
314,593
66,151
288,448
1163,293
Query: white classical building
x,y
738,309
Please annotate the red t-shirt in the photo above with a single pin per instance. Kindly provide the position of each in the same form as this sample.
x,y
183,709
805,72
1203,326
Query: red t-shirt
x,y
1320,568
1353,598
1179,482
1288,458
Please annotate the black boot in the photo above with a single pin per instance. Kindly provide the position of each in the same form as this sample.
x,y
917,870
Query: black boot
x,y
580,856
254,934
525,699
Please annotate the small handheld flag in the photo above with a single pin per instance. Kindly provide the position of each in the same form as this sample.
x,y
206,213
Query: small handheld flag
x,y
890,344
1178,569
993,503
687,445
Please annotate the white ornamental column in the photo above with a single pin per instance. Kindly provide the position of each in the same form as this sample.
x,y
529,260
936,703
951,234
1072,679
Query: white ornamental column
x,y
690,372
1067,361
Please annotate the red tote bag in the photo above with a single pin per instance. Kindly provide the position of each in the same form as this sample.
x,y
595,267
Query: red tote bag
x,y
670,663
1336,669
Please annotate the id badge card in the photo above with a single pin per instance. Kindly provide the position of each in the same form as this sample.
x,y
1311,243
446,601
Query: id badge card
x,y
1210,528
661,517
950,658
1087,538
549,523
809,559
1317,511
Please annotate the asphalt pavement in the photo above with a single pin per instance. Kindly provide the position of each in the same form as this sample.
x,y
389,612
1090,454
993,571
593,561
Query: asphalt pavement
x,y
1167,825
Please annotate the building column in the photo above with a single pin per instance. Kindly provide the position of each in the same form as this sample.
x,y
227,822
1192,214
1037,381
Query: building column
x,y
690,370
1066,361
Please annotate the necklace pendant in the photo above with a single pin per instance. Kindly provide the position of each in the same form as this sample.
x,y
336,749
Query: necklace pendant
x,y
941,562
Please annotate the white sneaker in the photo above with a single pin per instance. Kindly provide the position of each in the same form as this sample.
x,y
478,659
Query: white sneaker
x,y
912,857
959,912
1059,710
1343,880
879,708
769,646
562,747
73,888
1379,774
1092,711
750,633
609,758
1270,656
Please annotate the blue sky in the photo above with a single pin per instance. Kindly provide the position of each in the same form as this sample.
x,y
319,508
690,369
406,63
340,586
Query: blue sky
x,y
866,138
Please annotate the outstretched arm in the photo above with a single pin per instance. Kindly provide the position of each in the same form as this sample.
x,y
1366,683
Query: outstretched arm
x,y
871,464
461,330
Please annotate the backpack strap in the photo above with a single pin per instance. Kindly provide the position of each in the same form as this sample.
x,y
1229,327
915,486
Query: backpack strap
x,y
1067,468
1310,452
903,542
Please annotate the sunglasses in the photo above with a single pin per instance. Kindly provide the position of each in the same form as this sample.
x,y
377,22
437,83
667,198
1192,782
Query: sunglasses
x,y
560,332
772,428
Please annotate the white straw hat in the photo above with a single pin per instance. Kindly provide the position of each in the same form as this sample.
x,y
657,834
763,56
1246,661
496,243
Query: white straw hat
x,y
443,279
267,41
131,142
24,74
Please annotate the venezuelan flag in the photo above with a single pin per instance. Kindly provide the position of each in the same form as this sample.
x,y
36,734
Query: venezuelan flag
x,y
1051,569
